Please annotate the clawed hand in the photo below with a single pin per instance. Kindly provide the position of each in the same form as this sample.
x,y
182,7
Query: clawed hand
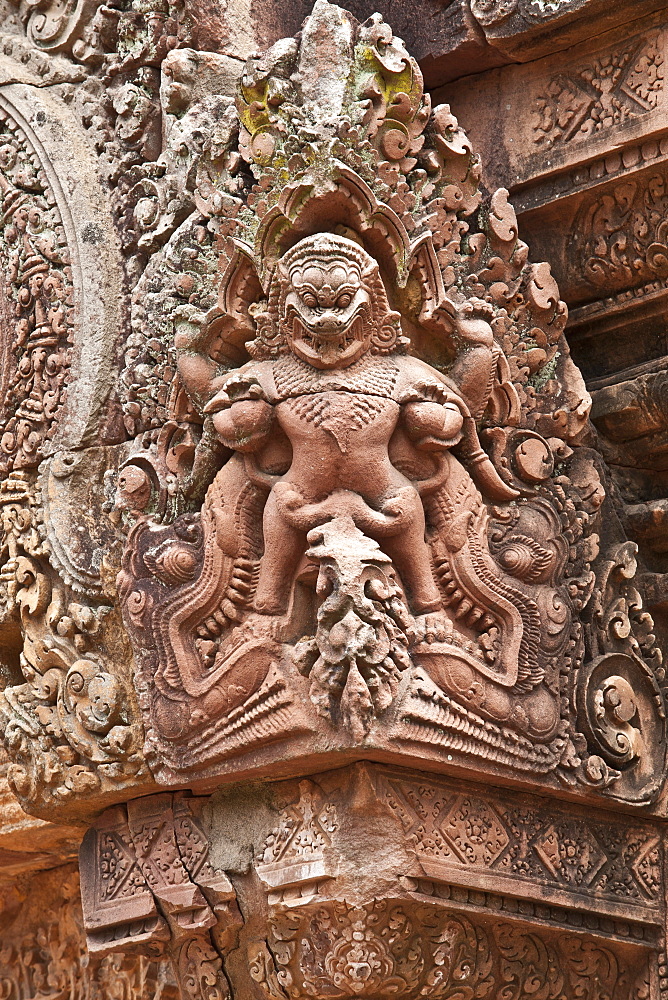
x,y
236,388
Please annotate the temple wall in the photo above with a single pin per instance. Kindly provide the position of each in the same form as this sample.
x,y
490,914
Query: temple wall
x,y
333,499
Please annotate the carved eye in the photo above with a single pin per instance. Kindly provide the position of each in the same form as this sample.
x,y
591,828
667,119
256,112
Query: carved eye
x,y
310,300
344,300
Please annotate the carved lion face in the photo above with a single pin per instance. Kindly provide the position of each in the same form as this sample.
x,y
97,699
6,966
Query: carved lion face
x,y
327,304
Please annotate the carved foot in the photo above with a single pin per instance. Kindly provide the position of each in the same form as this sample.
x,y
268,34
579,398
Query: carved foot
x,y
435,626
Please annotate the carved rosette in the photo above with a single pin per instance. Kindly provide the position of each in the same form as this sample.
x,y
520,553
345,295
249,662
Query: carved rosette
x,y
338,282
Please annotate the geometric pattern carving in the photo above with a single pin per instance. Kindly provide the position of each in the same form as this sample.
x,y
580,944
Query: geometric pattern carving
x,y
475,831
295,852
619,865
147,885
570,852
512,894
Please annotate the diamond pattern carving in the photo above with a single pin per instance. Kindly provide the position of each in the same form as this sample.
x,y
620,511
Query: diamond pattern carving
x,y
475,831
647,868
571,853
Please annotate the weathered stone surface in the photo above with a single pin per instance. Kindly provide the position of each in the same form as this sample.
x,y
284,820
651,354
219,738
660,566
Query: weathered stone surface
x,y
42,949
322,550
372,881
331,626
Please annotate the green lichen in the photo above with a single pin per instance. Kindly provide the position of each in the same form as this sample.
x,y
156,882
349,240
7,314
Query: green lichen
x,y
547,372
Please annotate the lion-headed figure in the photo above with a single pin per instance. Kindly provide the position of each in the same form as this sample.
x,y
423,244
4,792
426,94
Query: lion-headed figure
x,y
328,305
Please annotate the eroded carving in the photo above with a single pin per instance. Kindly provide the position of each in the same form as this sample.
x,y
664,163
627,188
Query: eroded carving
x,y
148,887
68,727
447,930
346,459
68,707
37,306
43,950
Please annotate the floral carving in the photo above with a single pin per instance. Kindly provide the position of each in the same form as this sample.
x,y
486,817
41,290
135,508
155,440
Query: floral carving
x,y
42,951
622,235
409,951
308,604
624,677
367,950
494,14
613,89
37,306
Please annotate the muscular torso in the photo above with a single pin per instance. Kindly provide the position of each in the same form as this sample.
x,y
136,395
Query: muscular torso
x,y
340,441
336,425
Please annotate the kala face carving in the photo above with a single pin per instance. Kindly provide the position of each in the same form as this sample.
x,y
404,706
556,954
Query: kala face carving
x,y
327,309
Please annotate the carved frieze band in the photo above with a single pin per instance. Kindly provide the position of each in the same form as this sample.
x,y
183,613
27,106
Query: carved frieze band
x,y
613,88
148,888
444,931
460,888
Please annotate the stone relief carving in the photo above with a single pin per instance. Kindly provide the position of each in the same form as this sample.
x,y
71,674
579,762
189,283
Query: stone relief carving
x,y
453,832
617,87
325,494
622,241
401,944
42,951
67,727
358,950
354,418
148,887
493,13
69,723
92,33
461,891
37,295
353,495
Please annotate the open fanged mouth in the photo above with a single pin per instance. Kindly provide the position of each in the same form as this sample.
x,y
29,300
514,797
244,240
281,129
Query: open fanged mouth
x,y
330,346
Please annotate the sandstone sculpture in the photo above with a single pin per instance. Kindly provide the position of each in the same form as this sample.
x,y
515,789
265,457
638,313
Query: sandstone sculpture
x,y
353,528
323,621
